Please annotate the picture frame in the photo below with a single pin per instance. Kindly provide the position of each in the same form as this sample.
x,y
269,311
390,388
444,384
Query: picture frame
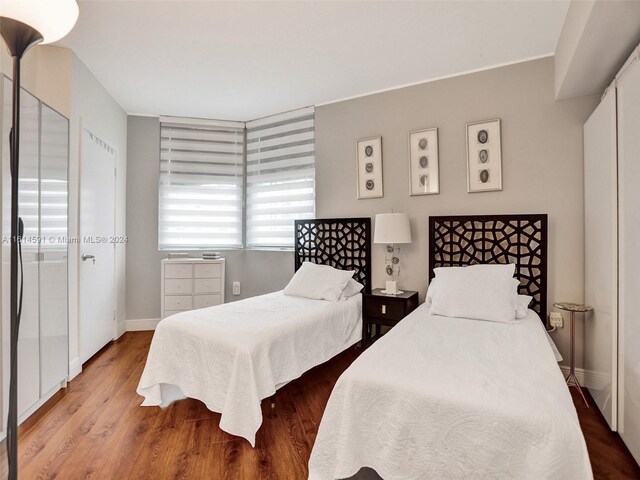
x,y
369,163
484,156
424,166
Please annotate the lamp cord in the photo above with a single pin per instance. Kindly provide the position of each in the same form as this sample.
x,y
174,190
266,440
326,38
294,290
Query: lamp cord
x,y
13,407
20,235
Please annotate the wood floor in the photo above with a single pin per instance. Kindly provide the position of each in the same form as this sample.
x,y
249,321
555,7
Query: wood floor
x,y
609,456
96,429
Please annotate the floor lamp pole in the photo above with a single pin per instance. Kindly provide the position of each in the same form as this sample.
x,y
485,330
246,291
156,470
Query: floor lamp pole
x,y
19,37
14,142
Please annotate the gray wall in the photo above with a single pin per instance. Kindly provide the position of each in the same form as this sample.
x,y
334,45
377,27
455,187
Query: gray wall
x,y
542,164
259,271
542,173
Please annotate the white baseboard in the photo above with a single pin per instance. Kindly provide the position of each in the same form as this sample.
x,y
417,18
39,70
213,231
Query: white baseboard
x,y
75,367
590,379
142,324
579,373
122,327
45,398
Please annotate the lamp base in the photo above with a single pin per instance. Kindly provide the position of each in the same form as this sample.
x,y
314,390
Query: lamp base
x,y
391,288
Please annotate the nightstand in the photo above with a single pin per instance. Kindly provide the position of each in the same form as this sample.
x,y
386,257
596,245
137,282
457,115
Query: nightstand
x,y
381,309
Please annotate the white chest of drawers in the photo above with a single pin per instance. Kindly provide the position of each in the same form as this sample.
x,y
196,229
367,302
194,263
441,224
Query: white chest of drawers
x,y
191,283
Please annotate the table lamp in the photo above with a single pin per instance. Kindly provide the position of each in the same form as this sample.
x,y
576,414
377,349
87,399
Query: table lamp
x,y
392,229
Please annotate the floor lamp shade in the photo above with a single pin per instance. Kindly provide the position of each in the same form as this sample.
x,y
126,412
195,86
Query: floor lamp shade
x,y
52,19
392,228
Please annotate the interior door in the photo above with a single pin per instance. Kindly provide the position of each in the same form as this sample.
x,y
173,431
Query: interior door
x,y
97,249
601,250
629,231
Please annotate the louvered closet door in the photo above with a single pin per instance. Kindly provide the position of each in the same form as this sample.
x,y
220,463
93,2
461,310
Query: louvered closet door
x,y
629,232
600,208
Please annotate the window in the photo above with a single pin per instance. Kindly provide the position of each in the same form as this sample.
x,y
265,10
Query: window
x,y
201,184
206,178
280,177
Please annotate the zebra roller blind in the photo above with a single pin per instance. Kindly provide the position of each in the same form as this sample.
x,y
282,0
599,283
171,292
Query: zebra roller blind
x,y
201,183
280,177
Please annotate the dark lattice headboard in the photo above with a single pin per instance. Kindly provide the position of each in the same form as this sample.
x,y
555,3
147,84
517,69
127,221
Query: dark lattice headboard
x,y
520,239
343,243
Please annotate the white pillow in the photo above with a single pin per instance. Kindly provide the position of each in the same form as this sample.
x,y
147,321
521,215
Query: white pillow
x,y
320,282
430,291
521,302
352,288
522,305
482,292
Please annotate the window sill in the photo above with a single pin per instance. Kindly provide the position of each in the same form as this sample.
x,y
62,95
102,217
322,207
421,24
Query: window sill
x,y
198,251
269,249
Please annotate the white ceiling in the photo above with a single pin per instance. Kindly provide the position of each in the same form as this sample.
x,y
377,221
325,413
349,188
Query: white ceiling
x,y
243,60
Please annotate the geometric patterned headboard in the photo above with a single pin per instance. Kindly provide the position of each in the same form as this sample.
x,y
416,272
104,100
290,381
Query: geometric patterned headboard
x,y
472,239
343,243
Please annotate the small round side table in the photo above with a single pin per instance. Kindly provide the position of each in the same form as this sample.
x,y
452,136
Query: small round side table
x,y
573,308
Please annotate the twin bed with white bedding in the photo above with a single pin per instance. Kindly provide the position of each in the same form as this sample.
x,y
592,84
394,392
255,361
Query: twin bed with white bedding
x,y
445,397
453,398
233,356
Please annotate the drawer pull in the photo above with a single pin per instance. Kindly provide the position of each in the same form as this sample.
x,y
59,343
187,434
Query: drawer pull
x,y
384,309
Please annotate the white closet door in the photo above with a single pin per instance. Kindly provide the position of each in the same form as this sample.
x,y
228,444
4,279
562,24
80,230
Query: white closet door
x,y
28,200
600,205
54,336
629,231
43,340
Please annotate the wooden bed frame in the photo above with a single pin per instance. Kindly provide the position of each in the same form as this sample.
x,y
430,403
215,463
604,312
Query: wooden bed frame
x,y
343,243
471,239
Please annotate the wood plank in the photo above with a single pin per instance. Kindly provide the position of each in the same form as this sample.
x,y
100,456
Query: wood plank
x,y
609,456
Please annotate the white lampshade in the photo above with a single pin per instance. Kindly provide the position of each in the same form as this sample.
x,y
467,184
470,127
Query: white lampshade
x,y
53,19
392,228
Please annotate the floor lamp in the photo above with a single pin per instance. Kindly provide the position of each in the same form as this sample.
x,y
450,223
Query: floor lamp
x,y
23,24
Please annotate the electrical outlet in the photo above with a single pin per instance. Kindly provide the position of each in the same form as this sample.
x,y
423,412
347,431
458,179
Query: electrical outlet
x,y
555,319
236,288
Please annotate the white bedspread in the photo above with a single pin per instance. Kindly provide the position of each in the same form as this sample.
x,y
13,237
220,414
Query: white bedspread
x,y
450,398
232,356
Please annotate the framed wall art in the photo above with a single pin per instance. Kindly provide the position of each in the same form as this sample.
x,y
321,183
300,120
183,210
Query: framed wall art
x,y
424,178
369,154
484,156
